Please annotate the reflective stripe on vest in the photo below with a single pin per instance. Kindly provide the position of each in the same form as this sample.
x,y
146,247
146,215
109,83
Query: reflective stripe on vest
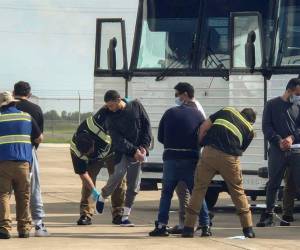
x,y
9,139
15,117
231,127
97,131
238,114
76,152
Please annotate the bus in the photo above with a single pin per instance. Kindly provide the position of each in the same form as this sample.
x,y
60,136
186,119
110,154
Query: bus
x,y
234,52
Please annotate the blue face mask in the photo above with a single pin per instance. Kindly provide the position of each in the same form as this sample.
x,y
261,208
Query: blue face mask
x,y
178,102
295,99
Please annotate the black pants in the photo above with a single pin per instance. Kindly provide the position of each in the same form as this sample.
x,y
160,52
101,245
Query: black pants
x,y
277,164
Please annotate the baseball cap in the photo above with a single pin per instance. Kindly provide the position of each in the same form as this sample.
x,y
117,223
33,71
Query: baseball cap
x,y
6,98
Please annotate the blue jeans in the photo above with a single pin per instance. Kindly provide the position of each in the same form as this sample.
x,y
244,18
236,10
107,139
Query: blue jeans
x,y
36,203
175,171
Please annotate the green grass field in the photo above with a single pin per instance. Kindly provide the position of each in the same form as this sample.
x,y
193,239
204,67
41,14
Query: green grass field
x,y
59,131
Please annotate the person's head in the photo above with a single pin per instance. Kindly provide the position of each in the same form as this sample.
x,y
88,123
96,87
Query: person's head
x,y
249,114
292,91
112,100
85,144
184,92
7,99
22,89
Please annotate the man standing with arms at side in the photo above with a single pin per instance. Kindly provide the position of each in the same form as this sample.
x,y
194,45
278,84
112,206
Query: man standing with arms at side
x,y
225,136
17,131
185,94
130,131
281,127
90,152
22,92
178,133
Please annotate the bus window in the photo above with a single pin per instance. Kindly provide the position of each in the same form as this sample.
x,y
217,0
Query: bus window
x,y
111,30
168,33
215,32
242,26
287,49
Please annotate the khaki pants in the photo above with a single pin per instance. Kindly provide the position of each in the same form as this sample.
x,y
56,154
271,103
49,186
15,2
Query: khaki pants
x,y
212,162
117,199
14,175
289,194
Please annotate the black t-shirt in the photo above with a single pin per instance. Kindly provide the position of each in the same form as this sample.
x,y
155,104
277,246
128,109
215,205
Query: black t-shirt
x,y
230,132
35,132
35,111
102,149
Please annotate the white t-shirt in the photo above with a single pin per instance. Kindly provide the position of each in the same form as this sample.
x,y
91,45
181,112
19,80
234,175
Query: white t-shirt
x,y
200,108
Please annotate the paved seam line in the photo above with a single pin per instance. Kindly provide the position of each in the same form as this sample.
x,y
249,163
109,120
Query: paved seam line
x,y
230,244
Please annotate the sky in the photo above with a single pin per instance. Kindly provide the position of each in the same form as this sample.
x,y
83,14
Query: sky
x,y
51,43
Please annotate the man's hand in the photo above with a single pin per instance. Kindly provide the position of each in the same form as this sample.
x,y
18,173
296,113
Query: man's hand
x,y
139,155
286,143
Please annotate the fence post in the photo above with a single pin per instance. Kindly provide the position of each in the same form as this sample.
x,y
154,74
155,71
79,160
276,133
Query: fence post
x,y
79,107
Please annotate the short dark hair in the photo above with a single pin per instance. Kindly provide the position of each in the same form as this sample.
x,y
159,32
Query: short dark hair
x,y
111,95
182,87
249,114
22,88
293,83
84,142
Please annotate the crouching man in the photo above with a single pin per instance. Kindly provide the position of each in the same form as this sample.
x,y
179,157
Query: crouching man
x,y
91,151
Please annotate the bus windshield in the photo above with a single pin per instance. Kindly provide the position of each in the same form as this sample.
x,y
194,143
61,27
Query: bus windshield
x,y
287,48
168,32
195,34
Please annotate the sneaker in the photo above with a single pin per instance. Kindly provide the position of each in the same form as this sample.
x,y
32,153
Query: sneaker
x,y
24,235
175,230
288,218
284,223
4,236
159,230
126,223
266,220
84,220
41,231
206,232
187,232
117,220
248,232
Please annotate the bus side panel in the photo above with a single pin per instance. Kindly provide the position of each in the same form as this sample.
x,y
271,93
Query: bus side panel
x,y
102,84
213,94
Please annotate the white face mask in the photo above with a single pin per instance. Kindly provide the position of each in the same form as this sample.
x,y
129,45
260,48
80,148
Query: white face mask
x,y
295,99
178,102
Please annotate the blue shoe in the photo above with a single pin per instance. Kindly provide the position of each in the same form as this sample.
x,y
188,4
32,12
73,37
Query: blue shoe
x,y
126,223
99,206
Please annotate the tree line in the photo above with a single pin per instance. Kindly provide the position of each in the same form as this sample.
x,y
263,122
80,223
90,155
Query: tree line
x,y
64,115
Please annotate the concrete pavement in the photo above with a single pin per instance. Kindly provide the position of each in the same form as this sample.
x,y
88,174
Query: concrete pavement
x,y
61,193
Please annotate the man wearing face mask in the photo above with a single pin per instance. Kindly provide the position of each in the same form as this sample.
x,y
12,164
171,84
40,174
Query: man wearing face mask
x,y
281,127
184,94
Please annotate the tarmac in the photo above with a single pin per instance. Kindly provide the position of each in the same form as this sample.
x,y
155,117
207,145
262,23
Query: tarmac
x,y
61,195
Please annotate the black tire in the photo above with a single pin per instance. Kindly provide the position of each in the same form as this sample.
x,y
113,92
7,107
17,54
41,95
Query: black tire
x,y
253,197
211,197
148,185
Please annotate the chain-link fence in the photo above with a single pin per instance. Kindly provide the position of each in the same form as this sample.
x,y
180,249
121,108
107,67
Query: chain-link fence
x,y
63,111
63,115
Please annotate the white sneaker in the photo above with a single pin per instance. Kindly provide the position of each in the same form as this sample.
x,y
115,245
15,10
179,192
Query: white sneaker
x,y
41,231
